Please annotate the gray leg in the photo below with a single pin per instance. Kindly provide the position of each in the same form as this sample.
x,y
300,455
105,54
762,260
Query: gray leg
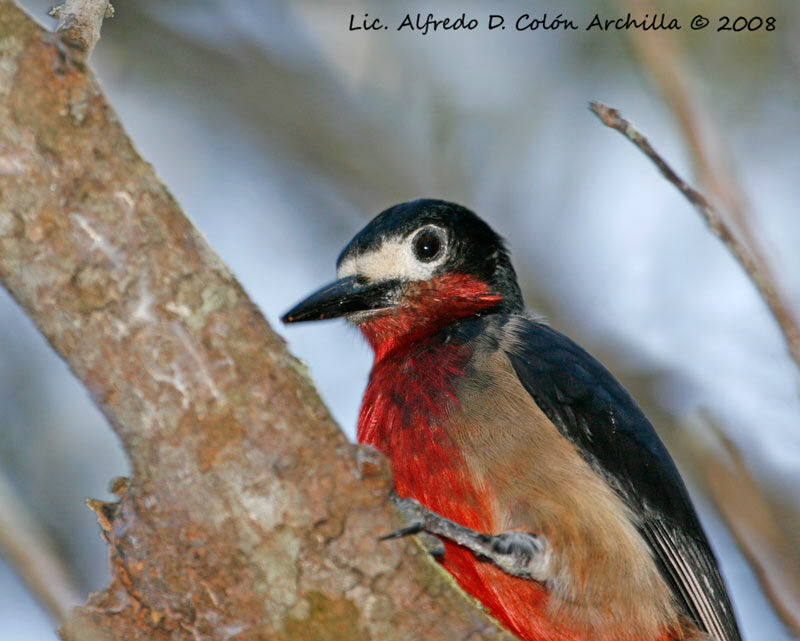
x,y
518,553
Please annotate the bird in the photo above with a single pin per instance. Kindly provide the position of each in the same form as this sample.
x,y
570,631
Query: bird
x,y
555,502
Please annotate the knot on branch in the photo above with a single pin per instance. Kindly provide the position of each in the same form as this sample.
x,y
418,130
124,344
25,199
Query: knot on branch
x,y
79,23
108,511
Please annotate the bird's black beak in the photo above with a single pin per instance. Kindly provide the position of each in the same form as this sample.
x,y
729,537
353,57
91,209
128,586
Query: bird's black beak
x,y
344,296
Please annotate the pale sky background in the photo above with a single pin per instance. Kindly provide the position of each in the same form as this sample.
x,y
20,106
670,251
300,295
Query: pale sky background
x,y
281,134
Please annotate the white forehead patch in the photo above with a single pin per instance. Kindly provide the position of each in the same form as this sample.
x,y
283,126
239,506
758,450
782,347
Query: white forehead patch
x,y
394,258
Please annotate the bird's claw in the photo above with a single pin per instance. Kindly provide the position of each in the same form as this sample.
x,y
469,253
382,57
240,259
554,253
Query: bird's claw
x,y
407,530
411,511
520,554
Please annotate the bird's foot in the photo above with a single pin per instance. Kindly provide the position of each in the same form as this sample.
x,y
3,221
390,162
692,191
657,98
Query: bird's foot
x,y
520,554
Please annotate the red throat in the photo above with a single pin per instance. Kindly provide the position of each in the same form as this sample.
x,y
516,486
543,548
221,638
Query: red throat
x,y
410,394
426,307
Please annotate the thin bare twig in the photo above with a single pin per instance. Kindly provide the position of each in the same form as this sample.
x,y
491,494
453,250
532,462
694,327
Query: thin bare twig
x,y
30,552
753,524
662,59
79,23
755,270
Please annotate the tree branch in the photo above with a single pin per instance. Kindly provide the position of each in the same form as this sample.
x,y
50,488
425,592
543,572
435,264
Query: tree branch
x,y
31,553
761,278
662,60
248,514
79,23
754,526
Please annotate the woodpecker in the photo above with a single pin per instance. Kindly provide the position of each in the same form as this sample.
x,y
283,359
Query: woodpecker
x,y
557,505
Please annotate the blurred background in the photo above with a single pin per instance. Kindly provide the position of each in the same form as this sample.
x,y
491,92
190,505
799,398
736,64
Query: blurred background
x,y
281,133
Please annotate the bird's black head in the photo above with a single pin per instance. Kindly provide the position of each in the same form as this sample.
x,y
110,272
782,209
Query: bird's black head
x,y
432,255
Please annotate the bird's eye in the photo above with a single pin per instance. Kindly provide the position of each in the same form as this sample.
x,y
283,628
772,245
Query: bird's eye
x,y
428,245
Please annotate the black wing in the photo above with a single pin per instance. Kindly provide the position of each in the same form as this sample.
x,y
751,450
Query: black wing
x,y
591,409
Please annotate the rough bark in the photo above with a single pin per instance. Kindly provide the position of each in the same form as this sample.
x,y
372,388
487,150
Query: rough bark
x,y
248,515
